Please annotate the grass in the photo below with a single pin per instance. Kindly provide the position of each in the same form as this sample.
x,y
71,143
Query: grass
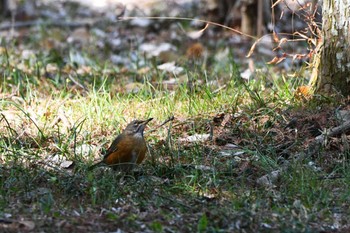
x,y
182,186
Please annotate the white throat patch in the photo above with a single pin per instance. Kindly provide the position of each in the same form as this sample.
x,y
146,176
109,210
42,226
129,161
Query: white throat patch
x,y
138,135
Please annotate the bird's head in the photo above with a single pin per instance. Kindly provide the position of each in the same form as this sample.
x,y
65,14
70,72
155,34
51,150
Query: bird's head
x,y
136,127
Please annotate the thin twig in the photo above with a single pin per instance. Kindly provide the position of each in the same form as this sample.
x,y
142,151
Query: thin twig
x,y
191,19
82,23
166,121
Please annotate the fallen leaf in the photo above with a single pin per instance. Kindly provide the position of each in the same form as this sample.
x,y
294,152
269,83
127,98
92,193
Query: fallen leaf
x,y
275,37
247,74
195,51
26,225
154,50
197,34
276,60
196,138
170,67
303,92
140,22
269,180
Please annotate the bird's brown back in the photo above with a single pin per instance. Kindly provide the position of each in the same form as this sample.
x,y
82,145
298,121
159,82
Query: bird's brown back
x,y
126,149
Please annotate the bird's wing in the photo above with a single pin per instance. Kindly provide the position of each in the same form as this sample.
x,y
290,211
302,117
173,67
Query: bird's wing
x,y
113,147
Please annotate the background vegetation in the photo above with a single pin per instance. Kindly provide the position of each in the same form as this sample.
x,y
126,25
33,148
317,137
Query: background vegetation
x,y
241,154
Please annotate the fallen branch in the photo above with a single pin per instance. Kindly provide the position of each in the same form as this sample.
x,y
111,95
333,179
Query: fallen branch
x,y
315,146
343,128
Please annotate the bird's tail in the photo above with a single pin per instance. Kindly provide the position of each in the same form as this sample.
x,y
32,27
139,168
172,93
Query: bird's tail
x,y
95,165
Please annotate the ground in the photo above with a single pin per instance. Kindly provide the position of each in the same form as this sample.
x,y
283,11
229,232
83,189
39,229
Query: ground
x,y
242,153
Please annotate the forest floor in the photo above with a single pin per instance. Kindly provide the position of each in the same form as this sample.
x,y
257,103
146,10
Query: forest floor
x,y
248,150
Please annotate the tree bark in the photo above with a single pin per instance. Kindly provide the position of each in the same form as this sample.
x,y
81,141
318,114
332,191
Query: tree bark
x,y
249,17
332,62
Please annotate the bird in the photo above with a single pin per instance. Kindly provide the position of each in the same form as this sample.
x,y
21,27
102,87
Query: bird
x,y
127,149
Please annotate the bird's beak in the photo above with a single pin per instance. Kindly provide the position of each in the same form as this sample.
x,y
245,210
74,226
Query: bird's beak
x,y
146,121
143,124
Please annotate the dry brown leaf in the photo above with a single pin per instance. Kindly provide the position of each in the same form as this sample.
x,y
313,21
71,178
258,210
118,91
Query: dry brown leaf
x,y
311,54
276,60
253,47
195,51
196,34
26,225
301,35
283,40
14,225
275,37
303,92
299,56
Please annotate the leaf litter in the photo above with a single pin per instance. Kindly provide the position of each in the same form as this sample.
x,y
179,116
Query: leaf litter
x,y
230,143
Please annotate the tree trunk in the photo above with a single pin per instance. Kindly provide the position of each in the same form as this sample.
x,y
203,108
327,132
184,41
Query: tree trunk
x,y
332,62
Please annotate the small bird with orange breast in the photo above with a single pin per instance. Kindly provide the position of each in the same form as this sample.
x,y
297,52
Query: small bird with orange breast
x,y
128,149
